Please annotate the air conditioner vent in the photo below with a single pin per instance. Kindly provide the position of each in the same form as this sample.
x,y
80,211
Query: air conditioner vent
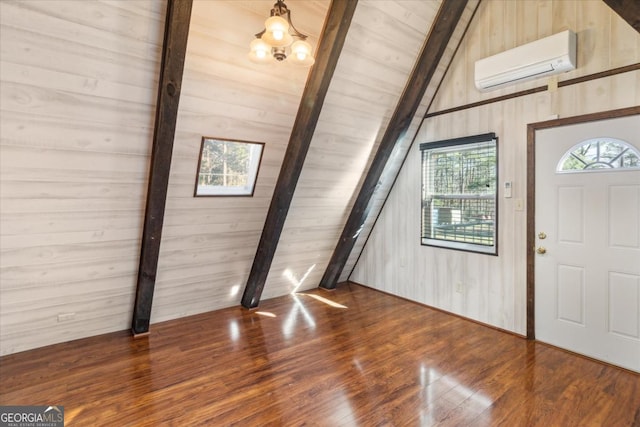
x,y
550,55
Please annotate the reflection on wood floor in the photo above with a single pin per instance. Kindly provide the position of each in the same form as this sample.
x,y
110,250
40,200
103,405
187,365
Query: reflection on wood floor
x,y
352,357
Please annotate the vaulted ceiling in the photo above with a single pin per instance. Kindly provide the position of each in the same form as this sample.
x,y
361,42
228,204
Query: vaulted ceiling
x,y
378,66
342,138
79,96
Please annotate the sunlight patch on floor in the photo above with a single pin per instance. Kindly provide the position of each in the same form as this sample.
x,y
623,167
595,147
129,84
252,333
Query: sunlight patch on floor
x,y
266,313
325,300
289,326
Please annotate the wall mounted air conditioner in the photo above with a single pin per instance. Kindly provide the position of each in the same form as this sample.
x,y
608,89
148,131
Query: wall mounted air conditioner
x,y
550,55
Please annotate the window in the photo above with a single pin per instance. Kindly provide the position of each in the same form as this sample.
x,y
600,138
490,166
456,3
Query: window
x,y
227,168
599,154
459,193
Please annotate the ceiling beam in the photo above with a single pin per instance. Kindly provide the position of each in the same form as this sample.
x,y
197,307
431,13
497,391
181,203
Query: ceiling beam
x,y
174,50
332,40
629,10
441,31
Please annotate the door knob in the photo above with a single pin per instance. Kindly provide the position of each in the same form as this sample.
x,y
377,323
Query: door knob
x,y
541,250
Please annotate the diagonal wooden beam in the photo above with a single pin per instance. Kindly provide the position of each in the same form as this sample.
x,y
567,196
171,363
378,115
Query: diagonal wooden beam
x,y
629,10
174,50
333,36
443,27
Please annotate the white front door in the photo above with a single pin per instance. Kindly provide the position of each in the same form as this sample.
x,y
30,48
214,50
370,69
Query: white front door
x,y
587,262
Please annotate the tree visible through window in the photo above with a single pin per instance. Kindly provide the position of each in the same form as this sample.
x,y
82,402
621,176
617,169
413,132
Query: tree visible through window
x,y
459,193
227,168
600,154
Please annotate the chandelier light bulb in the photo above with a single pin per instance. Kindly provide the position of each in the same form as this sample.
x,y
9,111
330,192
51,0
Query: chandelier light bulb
x,y
259,51
277,32
276,24
301,54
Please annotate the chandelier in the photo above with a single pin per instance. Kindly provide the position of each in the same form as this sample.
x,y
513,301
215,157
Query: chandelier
x,y
276,40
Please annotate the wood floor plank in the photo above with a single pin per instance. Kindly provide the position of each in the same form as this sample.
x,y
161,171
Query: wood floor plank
x,y
299,360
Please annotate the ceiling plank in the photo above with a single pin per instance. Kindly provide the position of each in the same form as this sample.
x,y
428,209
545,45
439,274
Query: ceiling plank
x,y
332,40
433,49
629,10
174,50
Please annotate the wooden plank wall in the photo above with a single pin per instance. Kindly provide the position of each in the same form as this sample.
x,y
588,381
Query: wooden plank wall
x,y
384,39
494,288
208,243
78,88
78,83
396,161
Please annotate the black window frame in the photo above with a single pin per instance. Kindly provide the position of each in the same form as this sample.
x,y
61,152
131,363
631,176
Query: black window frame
x,y
482,225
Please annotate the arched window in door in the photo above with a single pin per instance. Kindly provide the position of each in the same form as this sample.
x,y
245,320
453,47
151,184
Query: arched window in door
x,y
599,154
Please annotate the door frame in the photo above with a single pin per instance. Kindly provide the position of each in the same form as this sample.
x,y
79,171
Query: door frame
x,y
531,194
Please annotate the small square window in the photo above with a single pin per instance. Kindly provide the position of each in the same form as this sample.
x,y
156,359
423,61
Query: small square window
x,y
227,168
459,193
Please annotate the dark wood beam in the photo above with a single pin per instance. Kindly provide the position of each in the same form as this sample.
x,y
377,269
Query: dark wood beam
x,y
174,50
332,40
629,10
443,27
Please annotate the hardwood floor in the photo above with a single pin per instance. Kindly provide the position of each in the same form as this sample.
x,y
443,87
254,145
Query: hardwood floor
x,y
352,357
